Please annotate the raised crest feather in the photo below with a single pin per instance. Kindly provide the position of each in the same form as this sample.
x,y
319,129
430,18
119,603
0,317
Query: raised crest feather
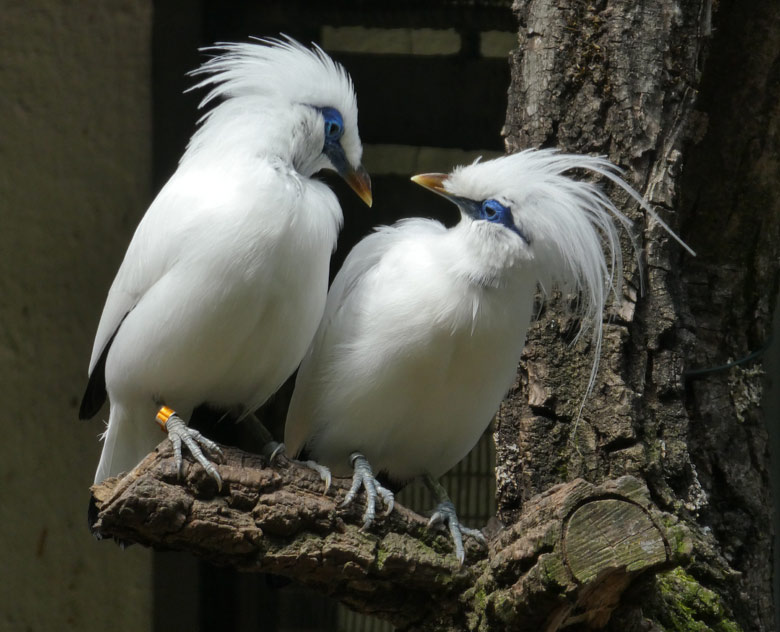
x,y
275,68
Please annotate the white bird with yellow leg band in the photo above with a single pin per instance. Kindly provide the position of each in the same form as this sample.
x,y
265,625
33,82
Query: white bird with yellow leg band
x,y
224,282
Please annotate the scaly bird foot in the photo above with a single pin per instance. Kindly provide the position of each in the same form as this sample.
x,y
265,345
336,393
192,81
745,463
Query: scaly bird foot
x,y
179,432
445,514
364,477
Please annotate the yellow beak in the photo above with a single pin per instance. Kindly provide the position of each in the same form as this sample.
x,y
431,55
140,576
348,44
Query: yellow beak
x,y
433,181
360,182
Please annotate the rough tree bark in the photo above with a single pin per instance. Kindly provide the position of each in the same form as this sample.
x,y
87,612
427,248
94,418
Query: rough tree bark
x,y
652,510
685,96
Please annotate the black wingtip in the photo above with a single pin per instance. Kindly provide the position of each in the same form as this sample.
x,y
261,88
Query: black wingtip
x,y
95,393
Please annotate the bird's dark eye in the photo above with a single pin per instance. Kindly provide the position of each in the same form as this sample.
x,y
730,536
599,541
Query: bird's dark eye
x,y
334,124
332,129
494,211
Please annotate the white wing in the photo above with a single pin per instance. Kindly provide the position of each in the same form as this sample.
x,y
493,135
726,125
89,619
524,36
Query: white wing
x,y
150,253
343,298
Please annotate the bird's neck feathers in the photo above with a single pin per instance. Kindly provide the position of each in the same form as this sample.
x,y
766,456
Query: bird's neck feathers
x,y
247,128
487,255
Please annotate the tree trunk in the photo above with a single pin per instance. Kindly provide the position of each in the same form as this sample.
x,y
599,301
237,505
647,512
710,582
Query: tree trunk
x,y
650,510
692,113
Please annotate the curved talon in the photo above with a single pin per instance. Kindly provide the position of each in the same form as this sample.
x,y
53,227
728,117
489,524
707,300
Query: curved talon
x,y
445,514
322,471
387,497
278,450
364,477
272,451
179,433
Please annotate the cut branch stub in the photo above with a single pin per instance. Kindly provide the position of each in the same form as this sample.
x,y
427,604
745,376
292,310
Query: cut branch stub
x,y
575,549
569,557
611,533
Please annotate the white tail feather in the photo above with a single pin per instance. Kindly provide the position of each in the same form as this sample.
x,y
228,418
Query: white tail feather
x,y
125,443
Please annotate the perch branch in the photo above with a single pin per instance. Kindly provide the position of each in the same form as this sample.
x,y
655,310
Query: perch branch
x,y
569,557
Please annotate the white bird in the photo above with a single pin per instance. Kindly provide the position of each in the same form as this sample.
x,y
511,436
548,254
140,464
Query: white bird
x,y
225,280
424,326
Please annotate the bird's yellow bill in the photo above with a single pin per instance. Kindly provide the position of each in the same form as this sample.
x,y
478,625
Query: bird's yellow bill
x,y
360,182
433,181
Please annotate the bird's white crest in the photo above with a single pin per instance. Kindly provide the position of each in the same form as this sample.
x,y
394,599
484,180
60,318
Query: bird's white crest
x,y
277,68
284,72
571,224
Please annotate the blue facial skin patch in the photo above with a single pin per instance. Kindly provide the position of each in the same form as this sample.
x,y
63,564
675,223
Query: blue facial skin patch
x,y
334,130
490,211
334,124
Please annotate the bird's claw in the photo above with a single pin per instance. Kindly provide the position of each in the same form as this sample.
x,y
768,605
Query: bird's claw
x,y
278,450
324,472
445,514
272,451
364,477
178,433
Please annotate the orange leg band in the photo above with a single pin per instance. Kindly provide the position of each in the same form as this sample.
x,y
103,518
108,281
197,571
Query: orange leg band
x,y
163,415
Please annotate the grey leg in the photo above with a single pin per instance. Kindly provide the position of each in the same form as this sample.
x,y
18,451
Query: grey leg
x,y
364,477
445,514
179,432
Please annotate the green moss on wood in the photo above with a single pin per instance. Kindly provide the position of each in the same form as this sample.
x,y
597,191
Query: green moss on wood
x,y
503,605
687,606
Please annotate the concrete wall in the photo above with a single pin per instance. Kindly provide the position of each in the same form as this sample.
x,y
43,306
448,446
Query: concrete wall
x,y
75,150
